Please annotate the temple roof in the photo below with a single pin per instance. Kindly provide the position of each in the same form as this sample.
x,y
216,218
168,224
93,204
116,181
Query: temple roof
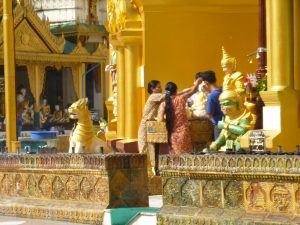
x,y
34,40
32,34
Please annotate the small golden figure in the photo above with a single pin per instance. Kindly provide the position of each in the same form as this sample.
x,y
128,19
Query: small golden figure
x,y
65,118
28,113
44,111
57,115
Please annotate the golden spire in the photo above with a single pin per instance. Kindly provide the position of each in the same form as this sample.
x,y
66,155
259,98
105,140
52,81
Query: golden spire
x,y
227,59
225,54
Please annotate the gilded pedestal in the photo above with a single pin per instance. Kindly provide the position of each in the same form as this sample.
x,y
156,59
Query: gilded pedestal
x,y
224,189
71,187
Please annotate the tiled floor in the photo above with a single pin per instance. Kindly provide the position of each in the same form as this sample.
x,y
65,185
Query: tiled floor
x,y
154,201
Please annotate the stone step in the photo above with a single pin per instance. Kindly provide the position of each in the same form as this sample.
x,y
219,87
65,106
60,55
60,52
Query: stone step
x,y
88,213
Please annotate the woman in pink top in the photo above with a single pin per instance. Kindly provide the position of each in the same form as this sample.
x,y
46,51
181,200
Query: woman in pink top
x,y
178,127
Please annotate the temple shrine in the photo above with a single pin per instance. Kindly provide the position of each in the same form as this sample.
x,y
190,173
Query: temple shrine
x,y
105,103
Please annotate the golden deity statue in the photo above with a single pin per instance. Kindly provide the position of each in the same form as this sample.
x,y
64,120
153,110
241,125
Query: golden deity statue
x,y
237,122
233,79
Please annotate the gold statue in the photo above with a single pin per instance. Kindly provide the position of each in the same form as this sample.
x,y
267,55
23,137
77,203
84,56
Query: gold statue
x,y
44,111
82,139
27,114
238,121
57,115
233,79
66,115
198,103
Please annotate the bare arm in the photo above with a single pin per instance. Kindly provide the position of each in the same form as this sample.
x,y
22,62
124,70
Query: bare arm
x,y
161,113
184,91
190,91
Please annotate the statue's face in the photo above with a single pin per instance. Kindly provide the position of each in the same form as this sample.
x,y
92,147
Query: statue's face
x,y
227,69
57,107
23,91
79,109
229,107
20,98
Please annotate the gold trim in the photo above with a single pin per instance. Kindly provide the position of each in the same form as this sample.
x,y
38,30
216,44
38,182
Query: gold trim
x,y
231,176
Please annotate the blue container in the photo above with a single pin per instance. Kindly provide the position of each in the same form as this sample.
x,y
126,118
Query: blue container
x,y
38,135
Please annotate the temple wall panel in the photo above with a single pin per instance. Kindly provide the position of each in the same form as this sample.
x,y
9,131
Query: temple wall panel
x,y
179,43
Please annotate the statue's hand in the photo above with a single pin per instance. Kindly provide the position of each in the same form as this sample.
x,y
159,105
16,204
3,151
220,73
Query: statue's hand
x,y
212,148
221,125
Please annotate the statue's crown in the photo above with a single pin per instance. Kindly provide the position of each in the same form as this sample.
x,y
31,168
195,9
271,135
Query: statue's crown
x,y
227,59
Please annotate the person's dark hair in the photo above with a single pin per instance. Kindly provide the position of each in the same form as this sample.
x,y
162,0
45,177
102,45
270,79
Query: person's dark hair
x,y
151,85
209,76
198,75
171,89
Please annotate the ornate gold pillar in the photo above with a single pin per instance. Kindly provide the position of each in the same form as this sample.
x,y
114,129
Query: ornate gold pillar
x,y
132,56
297,45
268,37
103,97
281,113
120,92
281,43
82,79
9,75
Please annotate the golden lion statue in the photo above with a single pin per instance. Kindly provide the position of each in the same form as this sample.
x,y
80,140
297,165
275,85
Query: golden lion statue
x,y
82,139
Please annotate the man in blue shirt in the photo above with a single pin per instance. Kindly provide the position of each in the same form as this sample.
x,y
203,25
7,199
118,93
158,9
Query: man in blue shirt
x,y
213,109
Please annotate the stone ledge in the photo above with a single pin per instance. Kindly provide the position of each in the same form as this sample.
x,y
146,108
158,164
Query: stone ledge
x,y
52,210
218,163
70,183
199,216
72,161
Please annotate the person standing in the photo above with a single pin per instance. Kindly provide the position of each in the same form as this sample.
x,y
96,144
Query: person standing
x,y
150,113
177,124
213,109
